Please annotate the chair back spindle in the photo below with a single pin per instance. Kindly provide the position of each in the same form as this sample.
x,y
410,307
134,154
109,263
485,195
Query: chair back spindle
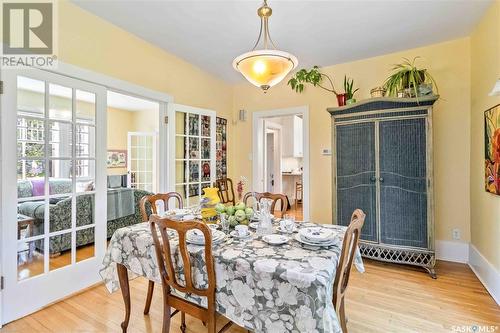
x,y
349,247
275,197
150,200
226,190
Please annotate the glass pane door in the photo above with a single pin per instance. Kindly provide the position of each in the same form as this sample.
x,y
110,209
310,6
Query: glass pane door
x,y
54,232
192,137
142,161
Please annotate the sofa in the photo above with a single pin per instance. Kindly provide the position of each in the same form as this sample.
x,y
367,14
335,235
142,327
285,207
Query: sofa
x,y
60,213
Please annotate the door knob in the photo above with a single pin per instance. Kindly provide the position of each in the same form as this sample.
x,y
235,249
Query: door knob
x,y
373,179
381,179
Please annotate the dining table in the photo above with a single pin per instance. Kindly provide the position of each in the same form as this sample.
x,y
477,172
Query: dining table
x,y
261,287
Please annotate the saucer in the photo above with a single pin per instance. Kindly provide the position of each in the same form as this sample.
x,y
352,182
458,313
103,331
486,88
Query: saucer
x,y
235,234
275,239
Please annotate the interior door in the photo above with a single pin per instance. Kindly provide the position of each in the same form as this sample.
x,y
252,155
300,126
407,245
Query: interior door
x,y
403,182
142,161
356,175
53,133
269,158
192,142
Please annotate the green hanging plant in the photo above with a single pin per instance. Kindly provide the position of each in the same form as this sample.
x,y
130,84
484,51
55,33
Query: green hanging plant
x,y
312,76
409,80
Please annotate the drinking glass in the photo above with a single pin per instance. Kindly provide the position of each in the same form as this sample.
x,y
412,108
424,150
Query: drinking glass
x,y
289,223
224,222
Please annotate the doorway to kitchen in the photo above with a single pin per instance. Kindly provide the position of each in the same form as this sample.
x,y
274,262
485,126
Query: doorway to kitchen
x,y
281,156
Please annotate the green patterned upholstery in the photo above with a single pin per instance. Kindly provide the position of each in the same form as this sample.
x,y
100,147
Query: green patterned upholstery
x,y
24,189
60,219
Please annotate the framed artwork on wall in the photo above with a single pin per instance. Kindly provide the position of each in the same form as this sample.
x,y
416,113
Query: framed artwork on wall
x,y
116,159
221,147
492,149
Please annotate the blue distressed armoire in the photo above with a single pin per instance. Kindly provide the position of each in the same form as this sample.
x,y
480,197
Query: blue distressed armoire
x,y
382,163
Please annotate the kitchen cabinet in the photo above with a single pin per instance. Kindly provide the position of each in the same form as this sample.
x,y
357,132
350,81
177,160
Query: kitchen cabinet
x,y
292,145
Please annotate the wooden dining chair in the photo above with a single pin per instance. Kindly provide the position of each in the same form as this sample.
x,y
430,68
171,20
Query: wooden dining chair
x,y
226,190
147,204
169,277
349,246
275,197
298,194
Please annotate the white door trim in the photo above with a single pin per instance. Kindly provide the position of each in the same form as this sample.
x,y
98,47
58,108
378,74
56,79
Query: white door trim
x,y
110,83
276,129
54,284
154,135
257,142
130,89
171,111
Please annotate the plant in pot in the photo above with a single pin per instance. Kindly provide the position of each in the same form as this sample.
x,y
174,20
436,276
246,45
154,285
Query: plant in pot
x,y
409,81
348,87
316,78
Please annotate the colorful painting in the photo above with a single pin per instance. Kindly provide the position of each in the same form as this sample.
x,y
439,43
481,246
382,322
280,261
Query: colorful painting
x,y
221,148
194,124
205,125
117,159
492,149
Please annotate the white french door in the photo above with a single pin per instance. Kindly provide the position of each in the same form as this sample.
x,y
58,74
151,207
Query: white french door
x,y
191,134
53,134
142,162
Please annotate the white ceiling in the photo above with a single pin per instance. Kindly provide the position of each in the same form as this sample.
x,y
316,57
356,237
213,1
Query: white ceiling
x,y
210,34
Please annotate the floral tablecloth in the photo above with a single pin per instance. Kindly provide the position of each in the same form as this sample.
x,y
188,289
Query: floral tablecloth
x,y
263,288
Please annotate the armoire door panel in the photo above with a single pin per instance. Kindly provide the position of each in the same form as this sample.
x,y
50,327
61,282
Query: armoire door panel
x,y
356,187
403,182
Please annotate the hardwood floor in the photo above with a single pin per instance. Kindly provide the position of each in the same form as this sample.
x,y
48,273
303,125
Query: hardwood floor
x,y
386,298
32,264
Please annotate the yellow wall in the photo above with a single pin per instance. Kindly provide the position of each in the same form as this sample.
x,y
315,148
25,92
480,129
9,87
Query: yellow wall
x,y
120,122
448,62
90,42
485,70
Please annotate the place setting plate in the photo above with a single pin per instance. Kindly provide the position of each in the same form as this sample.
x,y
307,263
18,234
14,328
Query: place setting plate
x,y
316,236
196,237
236,235
275,239
283,230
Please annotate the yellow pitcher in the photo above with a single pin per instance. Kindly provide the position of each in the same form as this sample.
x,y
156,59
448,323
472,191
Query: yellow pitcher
x,y
208,211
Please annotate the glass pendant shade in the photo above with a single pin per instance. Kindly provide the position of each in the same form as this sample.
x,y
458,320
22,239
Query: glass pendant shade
x,y
265,68
496,89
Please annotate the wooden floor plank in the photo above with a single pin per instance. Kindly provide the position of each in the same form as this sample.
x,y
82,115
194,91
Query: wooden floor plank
x,y
386,298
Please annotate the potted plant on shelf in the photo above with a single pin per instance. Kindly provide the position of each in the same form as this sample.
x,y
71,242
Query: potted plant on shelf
x,y
348,86
409,81
316,78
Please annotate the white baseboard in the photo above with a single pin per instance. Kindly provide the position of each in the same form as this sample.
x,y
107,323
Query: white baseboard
x,y
485,272
452,251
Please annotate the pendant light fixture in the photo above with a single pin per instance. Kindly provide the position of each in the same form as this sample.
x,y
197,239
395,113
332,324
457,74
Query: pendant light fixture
x,y
265,67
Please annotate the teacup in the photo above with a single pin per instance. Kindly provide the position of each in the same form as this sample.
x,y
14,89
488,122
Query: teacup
x,y
287,225
242,230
